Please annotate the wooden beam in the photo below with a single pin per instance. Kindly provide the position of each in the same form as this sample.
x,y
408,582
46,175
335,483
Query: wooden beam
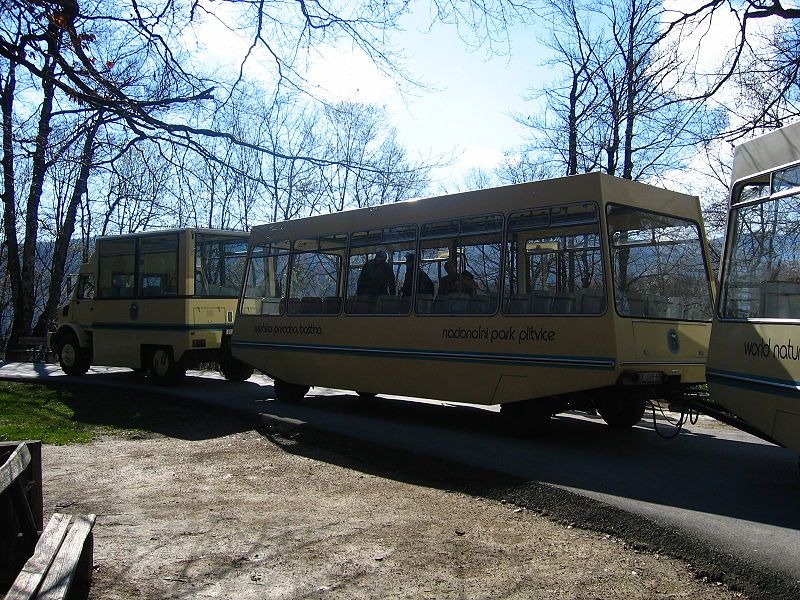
x,y
28,531
32,475
59,577
27,582
36,492
14,466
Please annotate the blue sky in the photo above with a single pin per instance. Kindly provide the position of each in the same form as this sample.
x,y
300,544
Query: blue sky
x,y
464,112
469,112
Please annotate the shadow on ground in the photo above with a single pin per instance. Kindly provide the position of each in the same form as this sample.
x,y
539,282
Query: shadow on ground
x,y
580,453
697,470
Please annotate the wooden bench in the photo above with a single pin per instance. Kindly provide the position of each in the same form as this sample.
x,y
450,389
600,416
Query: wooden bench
x,y
35,563
63,556
30,349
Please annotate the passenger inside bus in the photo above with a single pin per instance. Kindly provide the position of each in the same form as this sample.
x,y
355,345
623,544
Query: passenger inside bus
x,y
456,282
424,283
377,277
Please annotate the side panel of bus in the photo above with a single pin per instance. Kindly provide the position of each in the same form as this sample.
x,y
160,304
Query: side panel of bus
x,y
757,375
479,361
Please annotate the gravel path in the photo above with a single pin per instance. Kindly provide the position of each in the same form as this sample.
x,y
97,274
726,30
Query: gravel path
x,y
241,515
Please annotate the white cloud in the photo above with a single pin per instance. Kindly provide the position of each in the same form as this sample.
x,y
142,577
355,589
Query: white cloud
x,y
483,157
220,47
345,75
335,74
706,46
703,44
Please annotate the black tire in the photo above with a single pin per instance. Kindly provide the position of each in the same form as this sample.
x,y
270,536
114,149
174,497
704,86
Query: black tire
x,y
367,395
291,393
620,411
235,370
527,418
73,359
163,369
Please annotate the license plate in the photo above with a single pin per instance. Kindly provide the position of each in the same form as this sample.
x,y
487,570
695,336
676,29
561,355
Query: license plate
x,y
649,377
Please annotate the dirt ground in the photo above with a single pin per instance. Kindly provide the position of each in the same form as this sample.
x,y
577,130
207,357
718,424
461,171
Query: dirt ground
x,y
229,513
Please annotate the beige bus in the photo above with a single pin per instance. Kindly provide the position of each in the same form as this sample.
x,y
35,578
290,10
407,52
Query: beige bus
x,y
158,302
586,292
754,358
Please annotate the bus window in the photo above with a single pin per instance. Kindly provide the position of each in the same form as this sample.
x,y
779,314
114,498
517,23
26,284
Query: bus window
x,y
473,246
554,262
762,271
752,191
657,266
265,284
387,290
85,288
316,275
219,265
786,179
116,266
158,265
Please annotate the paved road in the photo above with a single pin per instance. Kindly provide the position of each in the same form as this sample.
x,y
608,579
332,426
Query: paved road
x,y
727,487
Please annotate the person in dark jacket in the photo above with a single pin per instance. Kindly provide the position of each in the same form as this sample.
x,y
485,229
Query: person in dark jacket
x,y
376,277
424,283
455,282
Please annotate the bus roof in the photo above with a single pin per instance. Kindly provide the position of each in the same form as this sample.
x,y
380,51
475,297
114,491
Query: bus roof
x,y
206,231
596,187
767,152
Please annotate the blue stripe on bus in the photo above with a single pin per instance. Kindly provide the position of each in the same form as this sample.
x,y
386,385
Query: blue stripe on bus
x,y
757,383
159,326
590,362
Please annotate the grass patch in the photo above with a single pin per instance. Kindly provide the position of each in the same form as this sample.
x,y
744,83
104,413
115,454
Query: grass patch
x,y
71,414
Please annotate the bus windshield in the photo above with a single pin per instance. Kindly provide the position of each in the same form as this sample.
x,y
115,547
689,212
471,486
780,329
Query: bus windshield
x,y
657,266
762,270
219,265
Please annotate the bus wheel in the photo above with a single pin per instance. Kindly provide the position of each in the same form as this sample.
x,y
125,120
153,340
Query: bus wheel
x,y
235,370
621,411
163,368
73,359
290,393
529,417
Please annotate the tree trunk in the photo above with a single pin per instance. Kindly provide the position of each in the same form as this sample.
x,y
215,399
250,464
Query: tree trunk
x,y
24,302
630,93
9,193
61,250
572,158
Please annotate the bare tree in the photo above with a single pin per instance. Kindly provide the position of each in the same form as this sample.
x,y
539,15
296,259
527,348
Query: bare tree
x,y
759,65
135,193
359,135
571,103
617,111
524,165
21,262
